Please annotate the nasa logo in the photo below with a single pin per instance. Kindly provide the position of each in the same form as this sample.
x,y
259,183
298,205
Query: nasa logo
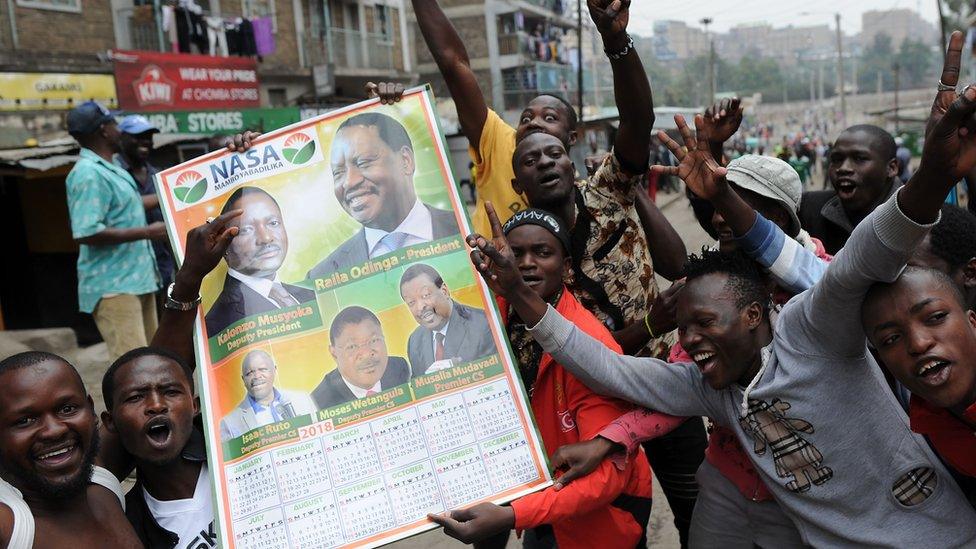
x,y
298,148
190,187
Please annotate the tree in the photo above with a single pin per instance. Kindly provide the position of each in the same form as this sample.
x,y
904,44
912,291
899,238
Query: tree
x,y
877,58
917,61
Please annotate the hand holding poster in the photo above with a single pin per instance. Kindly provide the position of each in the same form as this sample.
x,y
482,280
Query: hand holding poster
x,y
355,374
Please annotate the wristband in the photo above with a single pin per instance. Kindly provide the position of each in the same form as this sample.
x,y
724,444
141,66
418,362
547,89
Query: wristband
x,y
647,324
615,55
180,305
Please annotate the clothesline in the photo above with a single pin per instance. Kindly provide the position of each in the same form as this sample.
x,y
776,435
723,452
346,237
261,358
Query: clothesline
x,y
189,30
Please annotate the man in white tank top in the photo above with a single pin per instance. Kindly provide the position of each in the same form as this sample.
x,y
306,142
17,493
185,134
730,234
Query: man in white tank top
x,y
52,495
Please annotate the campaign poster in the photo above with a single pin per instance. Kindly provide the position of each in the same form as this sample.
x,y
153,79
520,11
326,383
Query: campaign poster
x,y
354,372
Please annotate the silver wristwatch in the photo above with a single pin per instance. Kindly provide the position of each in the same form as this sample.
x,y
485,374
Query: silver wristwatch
x,y
179,305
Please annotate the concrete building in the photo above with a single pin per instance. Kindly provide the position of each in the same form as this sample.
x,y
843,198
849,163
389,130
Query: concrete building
x,y
784,43
900,24
675,40
55,54
518,49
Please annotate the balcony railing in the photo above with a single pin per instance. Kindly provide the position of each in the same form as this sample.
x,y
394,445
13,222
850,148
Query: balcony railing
x,y
522,84
137,28
559,7
351,48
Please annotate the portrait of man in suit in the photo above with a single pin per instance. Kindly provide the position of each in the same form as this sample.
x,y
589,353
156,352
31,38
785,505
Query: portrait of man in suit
x,y
264,403
363,367
373,166
252,285
447,331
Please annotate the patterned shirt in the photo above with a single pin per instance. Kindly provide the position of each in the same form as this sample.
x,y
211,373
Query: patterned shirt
x,y
103,196
613,275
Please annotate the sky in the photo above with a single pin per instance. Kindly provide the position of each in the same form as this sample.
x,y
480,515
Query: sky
x,y
779,13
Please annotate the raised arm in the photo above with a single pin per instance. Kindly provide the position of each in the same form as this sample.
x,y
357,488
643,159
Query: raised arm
x,y
205,245
652,383
668,251
631,90
880,246
452,61
793,266
721,120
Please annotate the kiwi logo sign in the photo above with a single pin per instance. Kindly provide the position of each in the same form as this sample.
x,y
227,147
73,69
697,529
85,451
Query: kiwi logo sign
x,y
298,148
190,187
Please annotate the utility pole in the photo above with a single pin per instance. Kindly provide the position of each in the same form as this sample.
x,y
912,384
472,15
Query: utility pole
x,y
711,61
840,70
579,60
897,68
820,90
813,91
942,25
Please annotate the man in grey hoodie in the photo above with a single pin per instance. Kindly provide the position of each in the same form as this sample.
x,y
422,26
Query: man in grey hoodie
x,y
827,437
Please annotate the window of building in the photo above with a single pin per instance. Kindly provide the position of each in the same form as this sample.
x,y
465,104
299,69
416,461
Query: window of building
x,y
277,97
384,23
73,6
261,8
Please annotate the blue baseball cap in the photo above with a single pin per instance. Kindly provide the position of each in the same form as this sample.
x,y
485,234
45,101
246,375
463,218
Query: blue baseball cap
x,y
87,118
134,124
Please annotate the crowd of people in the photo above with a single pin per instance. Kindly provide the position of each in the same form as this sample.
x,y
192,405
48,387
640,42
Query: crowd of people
x,y
828,337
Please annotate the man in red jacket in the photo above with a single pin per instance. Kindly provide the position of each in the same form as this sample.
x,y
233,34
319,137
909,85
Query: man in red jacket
x,y
612,504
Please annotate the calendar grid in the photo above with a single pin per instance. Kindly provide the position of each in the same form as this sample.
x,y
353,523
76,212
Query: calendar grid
x,y
473,410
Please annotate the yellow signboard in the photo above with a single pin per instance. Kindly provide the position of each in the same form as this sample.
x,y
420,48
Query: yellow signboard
x,y
25,91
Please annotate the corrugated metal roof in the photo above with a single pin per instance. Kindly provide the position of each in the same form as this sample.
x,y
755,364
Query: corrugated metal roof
x,y
44,164
17,156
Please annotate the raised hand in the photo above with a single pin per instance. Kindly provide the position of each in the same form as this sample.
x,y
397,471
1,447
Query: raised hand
x,y
696,165
494,259
950,143
477,522
610,17
206,244
242,141
722,120
949,79
388,92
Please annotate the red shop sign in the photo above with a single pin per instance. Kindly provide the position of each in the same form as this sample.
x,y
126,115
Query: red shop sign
x,y
151,81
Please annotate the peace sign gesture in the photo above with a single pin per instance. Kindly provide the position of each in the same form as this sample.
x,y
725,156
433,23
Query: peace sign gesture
x,y
696,165
948,82
950,142
950,132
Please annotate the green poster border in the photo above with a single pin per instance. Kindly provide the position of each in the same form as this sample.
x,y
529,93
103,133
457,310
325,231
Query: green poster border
x,y
506,352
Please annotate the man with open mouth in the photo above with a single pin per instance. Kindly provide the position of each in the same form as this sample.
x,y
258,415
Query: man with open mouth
x,y
150,407
863,170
